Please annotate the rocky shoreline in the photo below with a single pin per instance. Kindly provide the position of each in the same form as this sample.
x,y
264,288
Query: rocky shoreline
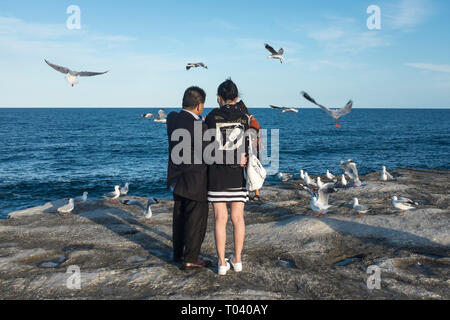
x,y
289,253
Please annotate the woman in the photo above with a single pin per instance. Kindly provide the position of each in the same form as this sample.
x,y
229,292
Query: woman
x,y
256,141
226,182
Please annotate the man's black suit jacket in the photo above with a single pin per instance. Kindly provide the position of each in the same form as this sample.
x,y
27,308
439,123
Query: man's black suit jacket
x,y
187,180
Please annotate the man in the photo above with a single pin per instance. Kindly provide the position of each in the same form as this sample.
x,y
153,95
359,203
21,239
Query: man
x,y
188,181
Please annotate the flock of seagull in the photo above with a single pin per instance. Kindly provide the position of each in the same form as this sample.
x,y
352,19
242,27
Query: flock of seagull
x,y
113,196
320,191
336,114
319,202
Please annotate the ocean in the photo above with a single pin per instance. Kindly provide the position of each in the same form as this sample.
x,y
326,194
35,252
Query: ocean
x,y
48,154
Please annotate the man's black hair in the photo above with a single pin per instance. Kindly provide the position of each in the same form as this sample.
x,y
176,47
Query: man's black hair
x,y
228,90
193,96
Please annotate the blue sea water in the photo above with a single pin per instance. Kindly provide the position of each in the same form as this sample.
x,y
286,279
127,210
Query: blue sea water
x,y
47,154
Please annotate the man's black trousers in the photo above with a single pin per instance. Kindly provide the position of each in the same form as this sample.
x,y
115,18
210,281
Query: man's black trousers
x,y
190,219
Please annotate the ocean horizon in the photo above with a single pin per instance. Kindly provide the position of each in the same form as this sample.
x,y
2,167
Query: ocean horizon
x,y
53,153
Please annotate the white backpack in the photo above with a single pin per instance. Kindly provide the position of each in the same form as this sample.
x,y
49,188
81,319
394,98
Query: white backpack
x,y
256,174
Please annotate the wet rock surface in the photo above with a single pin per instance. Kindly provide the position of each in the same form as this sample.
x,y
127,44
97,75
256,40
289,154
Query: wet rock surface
x,y
289,253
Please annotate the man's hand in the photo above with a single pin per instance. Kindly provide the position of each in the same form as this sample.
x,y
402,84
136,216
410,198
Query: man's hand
x,y
244,159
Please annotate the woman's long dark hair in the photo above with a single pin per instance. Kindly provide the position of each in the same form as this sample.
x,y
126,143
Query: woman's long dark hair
x,y
243,107
228,90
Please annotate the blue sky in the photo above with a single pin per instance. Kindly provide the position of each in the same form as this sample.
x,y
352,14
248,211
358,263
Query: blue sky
x,y
330,53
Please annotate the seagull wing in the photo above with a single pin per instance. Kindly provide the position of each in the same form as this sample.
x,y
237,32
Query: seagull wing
x,y
201,64
281,51
361,208
352,166
344,110
324,192
406,200
58,68
109,194
133,203
310,99
345,166
89,74
271,50
309,191
389,175
275,107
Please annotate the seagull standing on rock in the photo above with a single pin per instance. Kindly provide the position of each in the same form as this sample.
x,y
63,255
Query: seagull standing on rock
x,y
330,176
284,176
302,174
275,55
309,182
343,181
319,182
68,208
72,76
113,195
403,204
125,189
359,208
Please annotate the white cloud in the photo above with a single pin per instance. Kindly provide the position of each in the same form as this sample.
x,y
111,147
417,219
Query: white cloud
x,y
327,34
407,14
430,67
20,37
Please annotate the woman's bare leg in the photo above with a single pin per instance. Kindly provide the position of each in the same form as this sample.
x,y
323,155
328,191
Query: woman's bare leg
x,y
220,230
237,217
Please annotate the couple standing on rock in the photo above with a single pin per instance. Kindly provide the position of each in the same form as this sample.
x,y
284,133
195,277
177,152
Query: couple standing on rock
x,y
194,183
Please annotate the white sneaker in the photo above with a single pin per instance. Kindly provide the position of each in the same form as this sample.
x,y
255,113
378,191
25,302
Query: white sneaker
x,y
237,266
223,269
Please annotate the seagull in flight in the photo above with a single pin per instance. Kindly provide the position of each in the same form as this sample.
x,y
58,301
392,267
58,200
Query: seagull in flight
x,y
161,117
72,76
293,111
319,202
196,65
274,54
148,115
147,213
334,113
351,171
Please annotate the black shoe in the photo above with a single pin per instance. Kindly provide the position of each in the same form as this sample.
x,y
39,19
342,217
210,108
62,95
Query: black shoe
x,y
196,265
